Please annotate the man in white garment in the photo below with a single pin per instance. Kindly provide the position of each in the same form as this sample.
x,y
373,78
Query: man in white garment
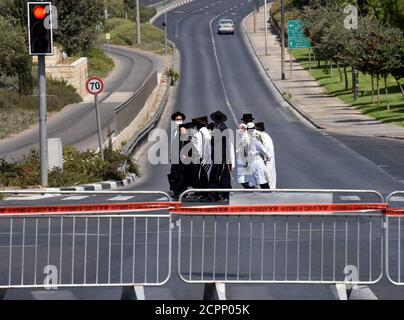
x,y
201,142
269,145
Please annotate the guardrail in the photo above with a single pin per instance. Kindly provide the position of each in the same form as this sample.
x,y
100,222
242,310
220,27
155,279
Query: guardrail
x,y
126,112
299,243
135,141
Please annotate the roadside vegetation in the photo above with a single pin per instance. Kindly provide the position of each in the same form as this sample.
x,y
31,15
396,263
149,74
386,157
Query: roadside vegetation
x,y
124,32
78,168
99,64
19,112
376,49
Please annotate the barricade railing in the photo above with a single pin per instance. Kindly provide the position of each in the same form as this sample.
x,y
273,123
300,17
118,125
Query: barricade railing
x,y
86,245
394,232
334,242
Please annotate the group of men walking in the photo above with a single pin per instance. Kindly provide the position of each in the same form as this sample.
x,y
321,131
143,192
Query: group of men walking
x,y
204,155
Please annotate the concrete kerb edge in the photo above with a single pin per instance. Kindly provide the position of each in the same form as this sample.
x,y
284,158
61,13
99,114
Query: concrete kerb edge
x,y
100,186
246,36
247,39
161,10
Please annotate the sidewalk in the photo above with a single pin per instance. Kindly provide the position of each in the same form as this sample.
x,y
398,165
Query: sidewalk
x,y
307,96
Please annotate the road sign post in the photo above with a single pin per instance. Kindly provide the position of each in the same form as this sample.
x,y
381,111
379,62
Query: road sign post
x,y
95,86
108,38
283,77
297,39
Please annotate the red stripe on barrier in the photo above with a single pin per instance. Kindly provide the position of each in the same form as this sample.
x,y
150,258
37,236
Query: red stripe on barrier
x,y
394,212
260,209
89,208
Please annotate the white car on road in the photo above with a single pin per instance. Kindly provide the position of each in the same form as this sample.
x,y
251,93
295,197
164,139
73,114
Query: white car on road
x,y
226,26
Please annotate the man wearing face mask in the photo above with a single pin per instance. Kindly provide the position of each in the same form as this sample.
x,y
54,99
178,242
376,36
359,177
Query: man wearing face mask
x,y
258,157
177,119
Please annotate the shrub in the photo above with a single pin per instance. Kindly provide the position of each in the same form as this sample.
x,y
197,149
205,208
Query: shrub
x,y
79,167
99,64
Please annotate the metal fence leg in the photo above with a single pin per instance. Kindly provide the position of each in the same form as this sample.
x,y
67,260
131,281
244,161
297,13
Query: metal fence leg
x,y
133,293
215,291
343,292
2,293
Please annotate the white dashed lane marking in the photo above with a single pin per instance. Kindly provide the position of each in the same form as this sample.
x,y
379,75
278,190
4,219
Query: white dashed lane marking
x,y
30,198
121,198
73,198
350,198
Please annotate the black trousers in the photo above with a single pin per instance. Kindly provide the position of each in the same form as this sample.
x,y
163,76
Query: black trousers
x,y
220,178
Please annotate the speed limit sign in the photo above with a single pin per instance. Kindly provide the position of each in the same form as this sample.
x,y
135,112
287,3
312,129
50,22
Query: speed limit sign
x,y
95,86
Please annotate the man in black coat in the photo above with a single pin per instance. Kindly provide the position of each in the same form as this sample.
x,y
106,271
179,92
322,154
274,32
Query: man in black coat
x,y
222,158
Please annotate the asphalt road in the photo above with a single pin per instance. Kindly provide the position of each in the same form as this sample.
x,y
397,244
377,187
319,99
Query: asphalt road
x,y
218,73
76,124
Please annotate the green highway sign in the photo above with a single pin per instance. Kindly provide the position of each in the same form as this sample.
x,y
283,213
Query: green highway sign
x,y
296,37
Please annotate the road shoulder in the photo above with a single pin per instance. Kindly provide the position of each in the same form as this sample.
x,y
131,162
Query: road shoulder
x,y
306,96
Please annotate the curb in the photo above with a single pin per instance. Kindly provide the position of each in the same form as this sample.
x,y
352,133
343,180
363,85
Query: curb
x,y
292,104
169,7
278,88
104,185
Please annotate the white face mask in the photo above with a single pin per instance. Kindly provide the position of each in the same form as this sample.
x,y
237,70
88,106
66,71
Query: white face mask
x,y
179,122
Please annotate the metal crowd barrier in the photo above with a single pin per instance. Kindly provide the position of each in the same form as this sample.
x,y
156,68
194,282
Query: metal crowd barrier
x,y
394,238
338,241
88,245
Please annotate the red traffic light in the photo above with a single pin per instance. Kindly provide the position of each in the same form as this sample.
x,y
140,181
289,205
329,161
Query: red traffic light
x,y
39,12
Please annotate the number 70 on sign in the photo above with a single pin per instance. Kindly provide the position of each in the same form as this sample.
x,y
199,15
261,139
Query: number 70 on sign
x,y
95,86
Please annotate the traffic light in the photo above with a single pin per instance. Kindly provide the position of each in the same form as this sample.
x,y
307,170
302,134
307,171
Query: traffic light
x,y
40,28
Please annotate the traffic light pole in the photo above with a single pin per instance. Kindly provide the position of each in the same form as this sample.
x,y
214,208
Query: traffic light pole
x,y
43,148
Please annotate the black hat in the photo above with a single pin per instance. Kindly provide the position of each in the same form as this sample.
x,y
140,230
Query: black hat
x,y
260,126
247,117
218,116
200,122
188,125
178,114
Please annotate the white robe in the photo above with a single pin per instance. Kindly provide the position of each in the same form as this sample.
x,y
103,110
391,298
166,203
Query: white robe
x,y
271,166
202,145
242,158
257,154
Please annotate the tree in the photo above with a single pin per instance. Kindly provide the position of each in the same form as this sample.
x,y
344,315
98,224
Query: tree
x,y
16,9
77,20
14,58
397,70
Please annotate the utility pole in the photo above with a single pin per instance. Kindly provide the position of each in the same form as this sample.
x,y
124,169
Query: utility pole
x,y
266,27
255,16
283,39
139,39
165,35
43,148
